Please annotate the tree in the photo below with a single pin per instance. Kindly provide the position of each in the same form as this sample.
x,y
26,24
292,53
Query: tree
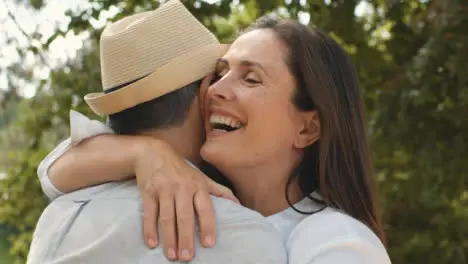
x,y
411,56
418,133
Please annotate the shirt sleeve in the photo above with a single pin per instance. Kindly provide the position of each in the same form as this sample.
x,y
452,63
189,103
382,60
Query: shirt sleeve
x,y
335,238
81,128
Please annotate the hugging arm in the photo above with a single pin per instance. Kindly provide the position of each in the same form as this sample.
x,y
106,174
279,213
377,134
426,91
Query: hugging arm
x,y
94,161
72,177
169,186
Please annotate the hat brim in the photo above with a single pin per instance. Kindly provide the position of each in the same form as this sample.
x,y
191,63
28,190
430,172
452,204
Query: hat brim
x,y
176,74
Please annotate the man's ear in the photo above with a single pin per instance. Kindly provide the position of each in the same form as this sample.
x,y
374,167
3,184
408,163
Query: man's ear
x,y
203,92
310,130
206,82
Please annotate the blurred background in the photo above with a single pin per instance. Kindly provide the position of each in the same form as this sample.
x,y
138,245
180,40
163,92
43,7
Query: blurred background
x,y
412,56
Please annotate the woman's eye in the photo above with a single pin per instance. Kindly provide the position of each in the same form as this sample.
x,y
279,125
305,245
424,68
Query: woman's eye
x,y
250,78
252,81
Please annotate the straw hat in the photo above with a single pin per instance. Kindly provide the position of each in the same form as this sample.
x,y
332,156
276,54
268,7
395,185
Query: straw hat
x,y
149,54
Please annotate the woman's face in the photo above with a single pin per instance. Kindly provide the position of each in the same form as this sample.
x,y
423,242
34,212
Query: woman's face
x,y
249,115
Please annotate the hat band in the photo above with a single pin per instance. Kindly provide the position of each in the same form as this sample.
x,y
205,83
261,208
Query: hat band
x,y
113,89
176,74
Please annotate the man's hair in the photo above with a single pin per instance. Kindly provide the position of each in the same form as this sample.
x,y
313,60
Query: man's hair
x,y
169,110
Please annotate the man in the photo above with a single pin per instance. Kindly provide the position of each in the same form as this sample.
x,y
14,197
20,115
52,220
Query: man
x,y
152,64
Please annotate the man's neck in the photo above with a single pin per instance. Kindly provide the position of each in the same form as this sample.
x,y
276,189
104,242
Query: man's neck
x,y
182,140
185,139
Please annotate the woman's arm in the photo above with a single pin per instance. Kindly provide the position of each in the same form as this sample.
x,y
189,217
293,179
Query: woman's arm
x,y
97,160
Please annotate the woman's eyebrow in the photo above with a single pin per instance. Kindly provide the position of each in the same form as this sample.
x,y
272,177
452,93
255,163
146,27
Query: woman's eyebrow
x,y
249,63
245,63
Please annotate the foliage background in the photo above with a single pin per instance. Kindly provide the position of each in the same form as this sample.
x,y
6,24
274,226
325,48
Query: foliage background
x,y
412,58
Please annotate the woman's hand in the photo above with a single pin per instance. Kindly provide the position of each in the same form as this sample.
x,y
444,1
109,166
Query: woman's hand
x,y
175,192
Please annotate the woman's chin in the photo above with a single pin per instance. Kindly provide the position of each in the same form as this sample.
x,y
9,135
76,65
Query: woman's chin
x,y
208,152
215,154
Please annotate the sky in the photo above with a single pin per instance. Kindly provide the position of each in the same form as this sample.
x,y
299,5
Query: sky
x,y
50,17
46,21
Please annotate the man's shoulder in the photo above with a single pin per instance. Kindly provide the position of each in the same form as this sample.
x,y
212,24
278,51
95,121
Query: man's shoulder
x,y
106,191
227,211
109,217
110,196
240,230
88,225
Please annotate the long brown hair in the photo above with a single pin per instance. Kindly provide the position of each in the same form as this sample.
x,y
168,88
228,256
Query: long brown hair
x,y
338,165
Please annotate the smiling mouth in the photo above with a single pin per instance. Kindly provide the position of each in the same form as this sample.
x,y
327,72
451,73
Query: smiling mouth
x,y
224,124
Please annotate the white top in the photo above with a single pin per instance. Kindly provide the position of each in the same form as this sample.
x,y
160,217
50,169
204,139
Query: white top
x,y
326,237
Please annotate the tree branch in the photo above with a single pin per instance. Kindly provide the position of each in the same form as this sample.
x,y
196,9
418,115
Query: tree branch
x,y
25,34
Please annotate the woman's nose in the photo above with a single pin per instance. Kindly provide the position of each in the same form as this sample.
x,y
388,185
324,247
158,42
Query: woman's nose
x,y
222,89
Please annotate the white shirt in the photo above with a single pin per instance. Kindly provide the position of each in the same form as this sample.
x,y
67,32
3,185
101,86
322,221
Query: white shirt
x,y
326,237
104,223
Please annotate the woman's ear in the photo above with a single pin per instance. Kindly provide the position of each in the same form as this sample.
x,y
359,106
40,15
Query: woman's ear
x,y
310,130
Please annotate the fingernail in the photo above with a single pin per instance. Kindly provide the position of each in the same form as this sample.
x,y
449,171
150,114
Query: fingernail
x,y
185,254
171,253
151,243
208,241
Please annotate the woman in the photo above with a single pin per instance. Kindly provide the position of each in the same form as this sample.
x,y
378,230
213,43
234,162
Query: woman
x,y
285,125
